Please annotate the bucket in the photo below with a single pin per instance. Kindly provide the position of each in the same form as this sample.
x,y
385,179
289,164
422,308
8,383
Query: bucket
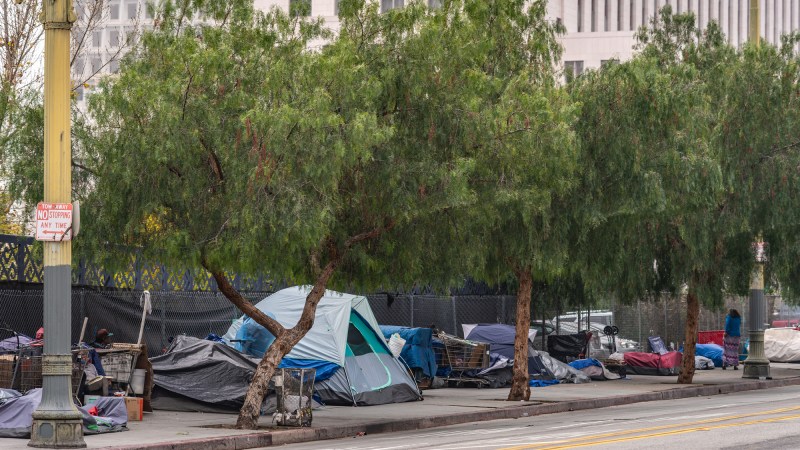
x,y
137,382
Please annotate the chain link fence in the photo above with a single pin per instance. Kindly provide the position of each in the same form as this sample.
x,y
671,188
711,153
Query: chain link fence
x,y
199,313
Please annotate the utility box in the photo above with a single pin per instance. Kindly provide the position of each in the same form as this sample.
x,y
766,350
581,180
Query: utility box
x,y
294,389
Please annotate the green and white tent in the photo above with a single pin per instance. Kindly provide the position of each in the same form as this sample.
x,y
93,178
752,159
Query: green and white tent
x,y
345,345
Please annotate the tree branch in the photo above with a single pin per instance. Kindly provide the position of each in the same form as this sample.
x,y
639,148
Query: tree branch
x,y
272,325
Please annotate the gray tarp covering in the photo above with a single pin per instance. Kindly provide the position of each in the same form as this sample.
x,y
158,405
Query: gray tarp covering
x,y
563,372
196,370
16,415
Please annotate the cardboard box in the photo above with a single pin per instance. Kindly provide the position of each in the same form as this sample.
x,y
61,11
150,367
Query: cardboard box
x,y
90,399
135,407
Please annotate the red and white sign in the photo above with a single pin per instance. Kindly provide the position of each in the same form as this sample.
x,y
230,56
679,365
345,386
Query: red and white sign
x,y
54,222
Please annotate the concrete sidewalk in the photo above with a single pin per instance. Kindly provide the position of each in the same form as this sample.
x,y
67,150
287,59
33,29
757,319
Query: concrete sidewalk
x,y
173,430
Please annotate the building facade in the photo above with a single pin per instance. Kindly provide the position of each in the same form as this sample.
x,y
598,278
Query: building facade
x,y
597,31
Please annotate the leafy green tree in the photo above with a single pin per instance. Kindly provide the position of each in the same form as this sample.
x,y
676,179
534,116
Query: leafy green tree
x,y
705,108
232,147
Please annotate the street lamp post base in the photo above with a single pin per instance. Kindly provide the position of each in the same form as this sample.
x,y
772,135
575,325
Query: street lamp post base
x,y
56,429
756,366
756,370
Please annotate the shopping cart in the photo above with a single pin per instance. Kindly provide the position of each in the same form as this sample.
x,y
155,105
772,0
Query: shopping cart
x,y
464,358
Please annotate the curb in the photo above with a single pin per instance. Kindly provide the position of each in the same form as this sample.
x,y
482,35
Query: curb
x,y
267,439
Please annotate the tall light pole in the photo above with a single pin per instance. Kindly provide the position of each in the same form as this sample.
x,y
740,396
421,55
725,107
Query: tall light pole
x,y
57,423
756,365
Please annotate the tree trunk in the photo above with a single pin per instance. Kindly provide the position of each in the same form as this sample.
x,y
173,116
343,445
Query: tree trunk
x,y
251,410
690,338
285,339
520,389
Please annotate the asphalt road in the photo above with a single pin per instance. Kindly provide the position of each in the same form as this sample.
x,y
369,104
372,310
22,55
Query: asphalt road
x,y
768,419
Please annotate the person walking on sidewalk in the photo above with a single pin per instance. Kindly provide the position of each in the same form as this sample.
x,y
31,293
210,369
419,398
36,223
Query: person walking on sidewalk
x,y
733,325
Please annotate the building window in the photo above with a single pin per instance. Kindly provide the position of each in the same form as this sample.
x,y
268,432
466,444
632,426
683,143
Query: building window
x,y
79,93
97,64
580,16
336,7
148,11
97,38
434,4
300,8
386,5
113,66
572,69
133,10
113,38
620,15
114,11
594,15
608,62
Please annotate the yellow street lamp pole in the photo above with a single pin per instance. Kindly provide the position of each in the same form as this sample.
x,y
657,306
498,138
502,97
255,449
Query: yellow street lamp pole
x,y
756,366
57,423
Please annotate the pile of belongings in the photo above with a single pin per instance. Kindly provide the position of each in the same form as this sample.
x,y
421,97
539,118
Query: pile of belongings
x,y
541,366
707,356
417,352
640,363
107,415
782,344
345,346
594,369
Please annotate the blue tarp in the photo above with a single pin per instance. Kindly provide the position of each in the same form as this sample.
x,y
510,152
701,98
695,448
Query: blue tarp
x,y
324,369
584,363
252,338
710,351
418,350
542,383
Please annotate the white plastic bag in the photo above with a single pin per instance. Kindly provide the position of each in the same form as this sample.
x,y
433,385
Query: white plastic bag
x,y
396,344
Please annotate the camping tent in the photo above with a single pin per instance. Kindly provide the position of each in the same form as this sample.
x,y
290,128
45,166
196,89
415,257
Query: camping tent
x,y
499,335
345,345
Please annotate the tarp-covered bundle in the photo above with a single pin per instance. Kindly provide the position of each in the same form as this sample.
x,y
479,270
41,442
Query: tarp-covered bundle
x,y
652,363
500,336
594,369
16,415
418,350
200,375
345,345
782,344
710,351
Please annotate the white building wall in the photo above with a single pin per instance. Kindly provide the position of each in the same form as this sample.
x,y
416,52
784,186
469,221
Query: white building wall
x,y
614,23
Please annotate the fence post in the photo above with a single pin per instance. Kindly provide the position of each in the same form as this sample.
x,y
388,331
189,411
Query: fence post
x,y
20,261
163,321
455,322
411,297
